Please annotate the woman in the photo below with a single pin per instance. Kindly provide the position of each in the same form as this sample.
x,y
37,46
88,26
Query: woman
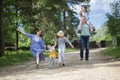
x,y
37,45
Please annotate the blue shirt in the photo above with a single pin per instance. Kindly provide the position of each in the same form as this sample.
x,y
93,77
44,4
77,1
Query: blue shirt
x,y
36,44
85,30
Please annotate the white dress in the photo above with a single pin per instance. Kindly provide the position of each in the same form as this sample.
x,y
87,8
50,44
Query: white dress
x,y
80,23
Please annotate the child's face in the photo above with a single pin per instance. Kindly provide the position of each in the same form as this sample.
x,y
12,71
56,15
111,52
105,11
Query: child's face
x,y
48,46
83,9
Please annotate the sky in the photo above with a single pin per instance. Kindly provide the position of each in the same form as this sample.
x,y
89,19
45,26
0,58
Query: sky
x,y
98,10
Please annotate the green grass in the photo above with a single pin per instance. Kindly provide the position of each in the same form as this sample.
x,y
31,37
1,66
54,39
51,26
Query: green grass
x,y
14,57
71,50
113,52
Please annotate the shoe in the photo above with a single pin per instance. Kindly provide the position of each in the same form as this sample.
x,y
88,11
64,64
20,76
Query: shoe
x,y
81,59
86,59
63,64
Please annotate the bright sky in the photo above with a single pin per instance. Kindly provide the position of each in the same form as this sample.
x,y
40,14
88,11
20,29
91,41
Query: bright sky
x,y
98,8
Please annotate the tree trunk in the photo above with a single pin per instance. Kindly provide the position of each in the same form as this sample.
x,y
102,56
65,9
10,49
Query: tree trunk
x,y
1,32
113,41
64,19
118,41
16,47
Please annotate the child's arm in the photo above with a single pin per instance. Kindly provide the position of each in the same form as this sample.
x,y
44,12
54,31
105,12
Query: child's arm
x,y
55,43
66,40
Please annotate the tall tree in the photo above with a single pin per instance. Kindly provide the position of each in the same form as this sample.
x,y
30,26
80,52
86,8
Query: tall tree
x,y
52,15
1,31
113,22
23,10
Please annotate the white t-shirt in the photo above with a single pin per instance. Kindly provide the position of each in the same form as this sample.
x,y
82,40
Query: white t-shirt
x,y
85,14
52,48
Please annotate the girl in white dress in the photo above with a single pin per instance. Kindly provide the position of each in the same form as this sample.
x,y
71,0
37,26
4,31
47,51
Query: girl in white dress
x,y
84,12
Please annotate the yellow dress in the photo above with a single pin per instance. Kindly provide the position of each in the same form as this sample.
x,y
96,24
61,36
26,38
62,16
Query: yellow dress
x,y
53,54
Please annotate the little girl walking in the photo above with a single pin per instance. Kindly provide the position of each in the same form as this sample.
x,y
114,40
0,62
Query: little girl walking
x,y
52,56
61,40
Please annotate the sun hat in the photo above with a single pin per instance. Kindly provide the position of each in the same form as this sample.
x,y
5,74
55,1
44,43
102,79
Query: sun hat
x,y
60,33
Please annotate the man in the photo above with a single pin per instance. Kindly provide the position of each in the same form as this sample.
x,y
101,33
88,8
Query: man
x,y
84,38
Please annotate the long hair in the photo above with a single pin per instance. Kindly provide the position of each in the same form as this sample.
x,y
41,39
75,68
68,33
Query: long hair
x,y
41,35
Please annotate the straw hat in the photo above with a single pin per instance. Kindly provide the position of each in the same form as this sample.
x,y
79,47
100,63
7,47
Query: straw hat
x,y
60,33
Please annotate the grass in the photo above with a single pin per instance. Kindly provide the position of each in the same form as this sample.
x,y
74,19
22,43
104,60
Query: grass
x,y
113,52
15,57
71,50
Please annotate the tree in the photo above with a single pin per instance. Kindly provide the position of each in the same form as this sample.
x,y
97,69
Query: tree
x,y
1,31
52,15
101,34
113,22
34,14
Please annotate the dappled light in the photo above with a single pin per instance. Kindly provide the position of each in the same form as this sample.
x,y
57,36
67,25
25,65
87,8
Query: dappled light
x,y
59,39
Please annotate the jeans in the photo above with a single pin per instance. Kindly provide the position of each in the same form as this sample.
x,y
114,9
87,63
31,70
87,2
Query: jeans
x,y
84,43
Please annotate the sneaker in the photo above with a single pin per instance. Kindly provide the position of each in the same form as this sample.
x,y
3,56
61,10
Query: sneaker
x,y
81,59
86,59
63,64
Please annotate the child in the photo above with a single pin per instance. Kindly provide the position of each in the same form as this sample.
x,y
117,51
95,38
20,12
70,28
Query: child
x,y
84,12
52,56
61,40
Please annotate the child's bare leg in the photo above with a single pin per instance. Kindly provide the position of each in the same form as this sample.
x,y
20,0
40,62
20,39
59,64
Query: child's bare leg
x,y
50,61
53,62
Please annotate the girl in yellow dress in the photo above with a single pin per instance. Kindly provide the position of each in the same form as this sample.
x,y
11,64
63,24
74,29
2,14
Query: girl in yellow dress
x,y
52,56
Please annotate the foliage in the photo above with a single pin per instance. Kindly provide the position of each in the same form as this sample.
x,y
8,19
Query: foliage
x,y
13,57
110,50
9,20
113,22
48,15
101,34
11,17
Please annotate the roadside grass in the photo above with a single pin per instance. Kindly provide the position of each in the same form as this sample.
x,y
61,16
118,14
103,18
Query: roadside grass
x,y
15,57
113,52
71,50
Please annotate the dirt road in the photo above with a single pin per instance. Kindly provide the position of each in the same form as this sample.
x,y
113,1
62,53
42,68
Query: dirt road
x,y
99,67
